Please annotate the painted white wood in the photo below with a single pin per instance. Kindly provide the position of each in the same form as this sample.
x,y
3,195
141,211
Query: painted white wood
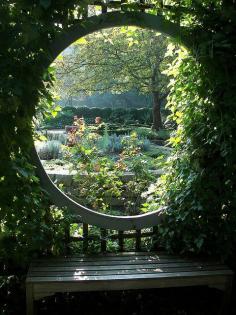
x,y
86,215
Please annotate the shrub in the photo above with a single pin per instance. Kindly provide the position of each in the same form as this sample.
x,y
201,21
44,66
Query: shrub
x,y
115,144
49,150
146,133
57,136
164,134
145,144
110,144
198,188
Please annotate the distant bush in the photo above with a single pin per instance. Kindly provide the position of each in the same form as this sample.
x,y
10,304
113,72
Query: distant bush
x,y
150,134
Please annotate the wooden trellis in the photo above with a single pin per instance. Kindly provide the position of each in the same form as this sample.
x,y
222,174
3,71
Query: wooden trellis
x,y
142,5
106,235
139,5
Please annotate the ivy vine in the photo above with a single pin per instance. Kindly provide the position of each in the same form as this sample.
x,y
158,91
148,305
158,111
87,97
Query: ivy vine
x,y
199,188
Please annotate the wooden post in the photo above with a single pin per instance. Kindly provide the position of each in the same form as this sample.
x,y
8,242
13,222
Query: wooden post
x,y
138,240
122,2
29,299
225,304
85,13
121,241
104,8
154,237
85,237
142,8
103,240
67,239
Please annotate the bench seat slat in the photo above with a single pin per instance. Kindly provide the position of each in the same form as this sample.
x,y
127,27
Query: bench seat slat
x,y
111,258
108,257
140,270
118,255
119,267
115,277
69,263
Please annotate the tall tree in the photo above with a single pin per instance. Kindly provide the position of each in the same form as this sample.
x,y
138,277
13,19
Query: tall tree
x,y
116,60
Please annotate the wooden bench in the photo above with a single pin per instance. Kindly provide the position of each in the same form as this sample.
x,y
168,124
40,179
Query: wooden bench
x,y
122,271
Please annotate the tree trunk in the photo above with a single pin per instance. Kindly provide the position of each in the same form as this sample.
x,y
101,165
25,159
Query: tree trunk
x,y
156,111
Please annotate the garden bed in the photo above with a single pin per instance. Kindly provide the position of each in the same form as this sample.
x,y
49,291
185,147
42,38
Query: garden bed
x,y
104,171
66,177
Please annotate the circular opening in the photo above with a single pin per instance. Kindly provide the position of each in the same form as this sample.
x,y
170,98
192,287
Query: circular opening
x,y
129,141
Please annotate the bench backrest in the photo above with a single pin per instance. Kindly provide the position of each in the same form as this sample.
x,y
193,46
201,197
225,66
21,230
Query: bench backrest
x,y
135,240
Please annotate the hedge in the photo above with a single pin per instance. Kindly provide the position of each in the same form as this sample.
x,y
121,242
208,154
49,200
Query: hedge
x,y
118,115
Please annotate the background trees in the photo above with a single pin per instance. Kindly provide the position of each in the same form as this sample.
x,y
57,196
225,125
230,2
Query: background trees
x,y
117,60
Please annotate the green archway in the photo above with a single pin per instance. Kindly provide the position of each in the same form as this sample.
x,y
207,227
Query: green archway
x,y
85,27
115,19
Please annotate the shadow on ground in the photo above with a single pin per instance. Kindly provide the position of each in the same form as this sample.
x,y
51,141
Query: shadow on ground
x,y
176,301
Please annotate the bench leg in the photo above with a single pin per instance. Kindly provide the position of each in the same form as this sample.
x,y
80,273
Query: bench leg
x,y
224,310
29,299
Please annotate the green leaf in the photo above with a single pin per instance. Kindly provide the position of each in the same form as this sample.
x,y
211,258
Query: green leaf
x,y
82,41
54,113
21,171
42,138
57,108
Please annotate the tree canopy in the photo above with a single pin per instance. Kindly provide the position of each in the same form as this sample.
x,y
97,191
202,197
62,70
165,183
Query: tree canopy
x,y
117,60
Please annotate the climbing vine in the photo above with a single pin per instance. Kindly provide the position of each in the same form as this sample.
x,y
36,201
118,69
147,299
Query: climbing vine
x,y
26,29
199,188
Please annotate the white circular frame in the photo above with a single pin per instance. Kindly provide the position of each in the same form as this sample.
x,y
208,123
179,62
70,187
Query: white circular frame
x,y
82,28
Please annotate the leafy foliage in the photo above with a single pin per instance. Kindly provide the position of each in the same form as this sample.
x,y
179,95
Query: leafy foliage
x,y
27,27
198,189
200,185
101,181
